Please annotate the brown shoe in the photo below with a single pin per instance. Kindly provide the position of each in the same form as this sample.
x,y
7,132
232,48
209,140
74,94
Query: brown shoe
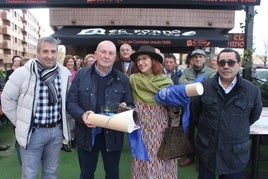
x,y
186,162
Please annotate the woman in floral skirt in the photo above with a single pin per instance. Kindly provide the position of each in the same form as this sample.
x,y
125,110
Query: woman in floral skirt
x,y
152,117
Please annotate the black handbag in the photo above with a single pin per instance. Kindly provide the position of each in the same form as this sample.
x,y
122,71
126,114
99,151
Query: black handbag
x,y
174,144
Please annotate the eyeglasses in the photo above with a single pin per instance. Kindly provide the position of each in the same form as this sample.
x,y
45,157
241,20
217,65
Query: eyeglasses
x,y
230,63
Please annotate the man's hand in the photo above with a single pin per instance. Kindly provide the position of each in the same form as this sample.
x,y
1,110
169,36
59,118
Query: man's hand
x,y
123,104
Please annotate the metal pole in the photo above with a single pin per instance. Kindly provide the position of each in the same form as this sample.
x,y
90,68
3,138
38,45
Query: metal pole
x,y
247,74
249,21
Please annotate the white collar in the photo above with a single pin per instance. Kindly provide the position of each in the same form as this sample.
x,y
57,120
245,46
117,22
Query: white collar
x,y
230,87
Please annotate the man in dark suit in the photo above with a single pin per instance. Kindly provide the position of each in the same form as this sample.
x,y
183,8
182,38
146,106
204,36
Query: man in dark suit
x,y
124,64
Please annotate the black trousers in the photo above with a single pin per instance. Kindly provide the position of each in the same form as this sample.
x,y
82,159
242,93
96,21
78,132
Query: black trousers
x,y
88,160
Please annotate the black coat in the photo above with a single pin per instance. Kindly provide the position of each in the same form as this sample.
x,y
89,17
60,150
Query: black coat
x,y
119,65
8,73
82,97
223,122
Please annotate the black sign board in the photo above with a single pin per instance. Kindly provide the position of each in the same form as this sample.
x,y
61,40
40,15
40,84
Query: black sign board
x,y
129,3
82,36
237,40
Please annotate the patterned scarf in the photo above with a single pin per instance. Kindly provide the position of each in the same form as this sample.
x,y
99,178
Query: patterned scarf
x,y
47,77
144,87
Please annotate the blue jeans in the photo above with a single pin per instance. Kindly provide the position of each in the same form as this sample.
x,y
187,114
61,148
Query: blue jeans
x,y
205,173
88,160
45,146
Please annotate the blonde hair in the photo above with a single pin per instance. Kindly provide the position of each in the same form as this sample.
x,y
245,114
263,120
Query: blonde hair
x,y
86,57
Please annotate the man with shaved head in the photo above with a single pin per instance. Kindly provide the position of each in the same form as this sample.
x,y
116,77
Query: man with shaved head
x,y
99,86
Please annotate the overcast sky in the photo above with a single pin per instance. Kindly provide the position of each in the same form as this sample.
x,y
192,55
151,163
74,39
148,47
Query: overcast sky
x,y
261,32
260,36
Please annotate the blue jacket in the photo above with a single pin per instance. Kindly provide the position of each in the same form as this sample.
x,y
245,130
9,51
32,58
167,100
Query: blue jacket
x,y
82,97
175,76
223,122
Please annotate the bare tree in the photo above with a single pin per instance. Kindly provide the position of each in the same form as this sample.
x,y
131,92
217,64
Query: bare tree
x,y
265,42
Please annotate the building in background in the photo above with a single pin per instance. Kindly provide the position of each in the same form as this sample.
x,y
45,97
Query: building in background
x,y
19,32
170,30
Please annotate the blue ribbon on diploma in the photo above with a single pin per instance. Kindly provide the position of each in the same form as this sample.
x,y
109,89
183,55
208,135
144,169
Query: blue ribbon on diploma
x,y
137,146
97,130
136,143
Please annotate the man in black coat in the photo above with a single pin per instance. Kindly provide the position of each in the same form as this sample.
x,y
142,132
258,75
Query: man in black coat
x,y
223,115
95,87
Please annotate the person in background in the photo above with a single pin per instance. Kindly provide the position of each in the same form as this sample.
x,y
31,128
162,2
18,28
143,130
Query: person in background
x,y
2,115
89,60
124,63
198,68
213,62
152,117
91,89
2,84
16,63
78,62
188,62
189,75
70,63
170,68
34,100
223,115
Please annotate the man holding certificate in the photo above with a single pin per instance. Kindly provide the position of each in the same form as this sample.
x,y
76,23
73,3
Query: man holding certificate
x,y
92,88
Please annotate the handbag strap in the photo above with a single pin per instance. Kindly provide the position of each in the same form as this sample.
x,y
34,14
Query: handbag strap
x,y
173,115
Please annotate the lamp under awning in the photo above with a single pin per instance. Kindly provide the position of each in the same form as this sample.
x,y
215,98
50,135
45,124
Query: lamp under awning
x,y
171,37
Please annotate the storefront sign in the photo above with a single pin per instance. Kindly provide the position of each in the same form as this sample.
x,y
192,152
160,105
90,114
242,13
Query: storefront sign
x,y
237,40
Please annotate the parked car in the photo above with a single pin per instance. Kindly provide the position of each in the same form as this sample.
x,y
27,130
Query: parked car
x,y
260,78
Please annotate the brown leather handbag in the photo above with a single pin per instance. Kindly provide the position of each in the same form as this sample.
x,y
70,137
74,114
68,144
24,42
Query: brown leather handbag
x,y
174,144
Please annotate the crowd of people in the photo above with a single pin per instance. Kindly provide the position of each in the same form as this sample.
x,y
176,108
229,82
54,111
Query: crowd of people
x,y
49,103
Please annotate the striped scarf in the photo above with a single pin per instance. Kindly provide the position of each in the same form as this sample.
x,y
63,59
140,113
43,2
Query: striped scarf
x,y
47,77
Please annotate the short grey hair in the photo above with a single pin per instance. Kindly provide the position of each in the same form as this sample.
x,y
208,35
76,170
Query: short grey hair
x,y
49,40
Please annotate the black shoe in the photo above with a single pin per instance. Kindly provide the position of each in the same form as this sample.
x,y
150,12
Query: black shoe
x,y
4,147
66,148
73,144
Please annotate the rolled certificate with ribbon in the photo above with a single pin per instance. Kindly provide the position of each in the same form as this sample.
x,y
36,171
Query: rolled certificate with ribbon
x,y
194,89
123,121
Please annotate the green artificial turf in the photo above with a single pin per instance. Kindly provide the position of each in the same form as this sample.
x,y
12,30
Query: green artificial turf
x,y
69,167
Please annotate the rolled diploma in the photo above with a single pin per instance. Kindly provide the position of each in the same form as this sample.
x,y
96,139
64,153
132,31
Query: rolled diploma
x,y
194,89
123,121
